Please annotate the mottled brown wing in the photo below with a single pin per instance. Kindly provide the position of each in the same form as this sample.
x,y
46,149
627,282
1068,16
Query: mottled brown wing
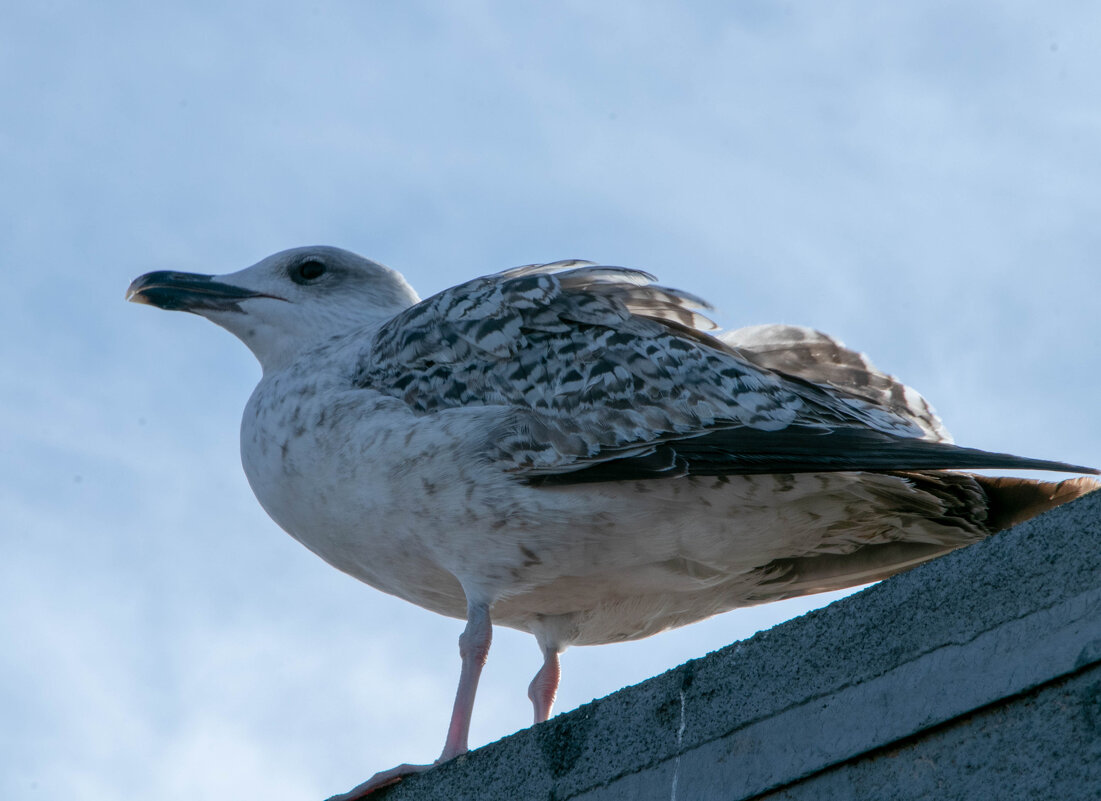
x,y
815,356
602,376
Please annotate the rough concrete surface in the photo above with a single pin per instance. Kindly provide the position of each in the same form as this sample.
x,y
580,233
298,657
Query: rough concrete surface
x,y
977,675
1045,744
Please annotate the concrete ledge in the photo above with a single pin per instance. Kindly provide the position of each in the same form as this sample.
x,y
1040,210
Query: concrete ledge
x,y
977,675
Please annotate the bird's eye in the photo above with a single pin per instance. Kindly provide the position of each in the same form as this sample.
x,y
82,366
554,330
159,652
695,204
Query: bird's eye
x,y
307,271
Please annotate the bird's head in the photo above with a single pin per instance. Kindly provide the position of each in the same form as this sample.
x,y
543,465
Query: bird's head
x,y
286,303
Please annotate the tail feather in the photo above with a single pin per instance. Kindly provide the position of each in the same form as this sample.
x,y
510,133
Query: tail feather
x,y
1015,500
972,506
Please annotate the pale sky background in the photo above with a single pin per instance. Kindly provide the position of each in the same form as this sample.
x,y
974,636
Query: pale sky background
x,y
920,179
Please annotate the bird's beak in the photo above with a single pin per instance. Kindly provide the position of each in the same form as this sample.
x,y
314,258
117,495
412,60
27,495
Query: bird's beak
x,y
189,292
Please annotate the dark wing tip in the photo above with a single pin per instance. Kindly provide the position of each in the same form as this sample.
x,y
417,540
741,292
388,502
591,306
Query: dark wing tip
x,y
800,449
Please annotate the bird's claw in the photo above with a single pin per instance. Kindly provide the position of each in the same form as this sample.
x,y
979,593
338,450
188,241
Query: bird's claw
x,y
384,778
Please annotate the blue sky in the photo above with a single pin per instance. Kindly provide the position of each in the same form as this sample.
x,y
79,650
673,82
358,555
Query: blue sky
x,y
920,180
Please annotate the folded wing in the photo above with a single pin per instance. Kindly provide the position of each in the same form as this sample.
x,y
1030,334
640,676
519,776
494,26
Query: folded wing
x,y
604,376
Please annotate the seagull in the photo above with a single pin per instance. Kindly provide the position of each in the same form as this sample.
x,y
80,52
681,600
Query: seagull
x,y
567,449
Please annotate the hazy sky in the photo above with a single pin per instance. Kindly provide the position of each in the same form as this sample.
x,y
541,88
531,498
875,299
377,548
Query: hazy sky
x,y
920,179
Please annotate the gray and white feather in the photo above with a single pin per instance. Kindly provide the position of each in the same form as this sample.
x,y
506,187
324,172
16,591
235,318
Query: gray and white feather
x,y
564,448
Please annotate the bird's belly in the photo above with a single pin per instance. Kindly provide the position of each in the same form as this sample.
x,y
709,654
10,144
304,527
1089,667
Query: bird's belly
x,y
406,505
337,480
406,508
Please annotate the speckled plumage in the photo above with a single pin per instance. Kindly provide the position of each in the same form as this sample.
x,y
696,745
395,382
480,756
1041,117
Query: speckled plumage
x,y
593,363
564,448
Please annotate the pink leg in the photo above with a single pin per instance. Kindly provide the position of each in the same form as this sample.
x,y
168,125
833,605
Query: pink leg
x,y
474,650
544,687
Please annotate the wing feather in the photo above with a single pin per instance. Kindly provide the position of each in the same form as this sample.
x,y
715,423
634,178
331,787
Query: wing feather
x,y
602,375
800,351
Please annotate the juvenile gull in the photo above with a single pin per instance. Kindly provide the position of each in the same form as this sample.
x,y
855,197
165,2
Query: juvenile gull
x,y
563,448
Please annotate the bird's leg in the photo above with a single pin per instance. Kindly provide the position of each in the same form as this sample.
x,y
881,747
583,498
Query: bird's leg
x,y
473,649
544,687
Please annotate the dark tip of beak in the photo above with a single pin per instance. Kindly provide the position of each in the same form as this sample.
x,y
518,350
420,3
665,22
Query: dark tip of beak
x,y
188,292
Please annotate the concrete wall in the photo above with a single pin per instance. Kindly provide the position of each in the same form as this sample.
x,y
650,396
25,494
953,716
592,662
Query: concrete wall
x,y
975,676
